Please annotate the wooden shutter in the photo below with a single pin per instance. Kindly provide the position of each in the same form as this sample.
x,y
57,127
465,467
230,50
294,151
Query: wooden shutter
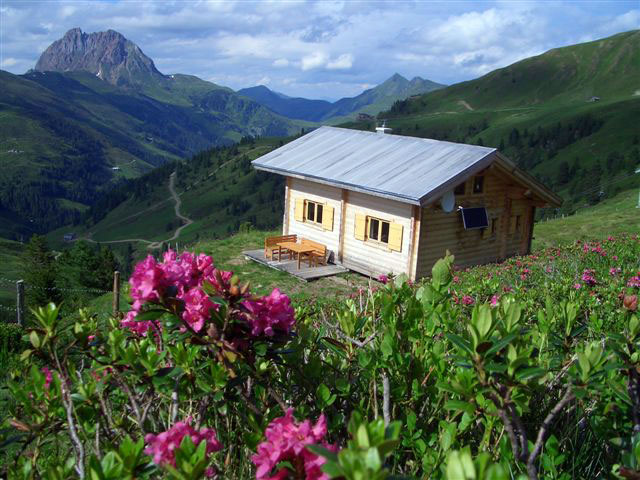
x,y
512,224
327,218
395,236
298,212
361,226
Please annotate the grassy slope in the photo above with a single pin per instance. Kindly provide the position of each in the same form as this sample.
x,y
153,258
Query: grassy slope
x,y
209,195
10,270
611,217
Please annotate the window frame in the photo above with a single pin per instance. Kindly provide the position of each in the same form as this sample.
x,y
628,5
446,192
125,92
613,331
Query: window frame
x,y
315,204
378,240
473,185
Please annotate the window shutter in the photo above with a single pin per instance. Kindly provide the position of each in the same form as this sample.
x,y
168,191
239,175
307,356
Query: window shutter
x,y
298,213
327,218
512,224
395,237
361,226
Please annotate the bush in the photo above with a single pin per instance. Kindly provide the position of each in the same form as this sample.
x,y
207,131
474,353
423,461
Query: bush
x,y
526,369
11,338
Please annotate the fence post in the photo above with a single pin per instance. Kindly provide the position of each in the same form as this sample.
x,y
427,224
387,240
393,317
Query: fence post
x,y
20,302
116,293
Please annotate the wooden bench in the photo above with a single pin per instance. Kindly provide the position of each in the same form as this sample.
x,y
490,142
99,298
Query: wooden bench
x,y
319,254
271,245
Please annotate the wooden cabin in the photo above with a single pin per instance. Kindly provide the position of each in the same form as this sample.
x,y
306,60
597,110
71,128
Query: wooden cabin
x,y
386,203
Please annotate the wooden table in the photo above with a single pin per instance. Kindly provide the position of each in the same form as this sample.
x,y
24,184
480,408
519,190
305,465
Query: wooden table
x,y
294,247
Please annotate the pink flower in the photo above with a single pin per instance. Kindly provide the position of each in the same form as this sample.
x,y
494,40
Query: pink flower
x,y
383,279
220,279
270,313
613,271
495,300
588,277
468,300
577,286
456,279
163,445
138,327
48,377
286,440
634,281
197,306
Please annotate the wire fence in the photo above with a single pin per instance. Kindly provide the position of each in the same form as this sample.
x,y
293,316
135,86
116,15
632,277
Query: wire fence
x,y
19,289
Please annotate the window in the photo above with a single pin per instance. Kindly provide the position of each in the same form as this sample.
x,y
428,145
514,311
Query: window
x,y
459,190
378,230
478,184
313,212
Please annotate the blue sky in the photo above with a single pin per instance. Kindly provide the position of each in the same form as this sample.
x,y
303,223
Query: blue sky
x,y
318,49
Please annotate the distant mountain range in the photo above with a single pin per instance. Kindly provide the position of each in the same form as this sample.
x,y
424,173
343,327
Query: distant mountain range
x,y
95,110
369,102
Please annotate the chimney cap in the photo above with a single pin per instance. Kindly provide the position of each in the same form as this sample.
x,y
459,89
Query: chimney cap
x,y
383,129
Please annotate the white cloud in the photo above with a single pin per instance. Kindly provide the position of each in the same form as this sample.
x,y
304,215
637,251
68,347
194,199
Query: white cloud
x,y
314,60
343,62
318,48
8,62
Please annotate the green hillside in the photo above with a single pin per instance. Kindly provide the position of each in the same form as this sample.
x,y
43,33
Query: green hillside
x,y
541,112
61,134
218,190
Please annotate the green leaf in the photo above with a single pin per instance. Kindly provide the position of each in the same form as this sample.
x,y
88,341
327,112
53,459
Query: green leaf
x,y
530,373
500,344
149,315
323,452
458,341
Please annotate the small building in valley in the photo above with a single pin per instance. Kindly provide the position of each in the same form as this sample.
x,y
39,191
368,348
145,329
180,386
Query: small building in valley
x,y
386,203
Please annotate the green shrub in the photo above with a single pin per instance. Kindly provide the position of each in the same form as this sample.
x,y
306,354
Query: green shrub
x,y
11,338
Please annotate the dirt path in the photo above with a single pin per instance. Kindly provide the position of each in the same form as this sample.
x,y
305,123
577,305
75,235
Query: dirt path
x,y
155,244
465,105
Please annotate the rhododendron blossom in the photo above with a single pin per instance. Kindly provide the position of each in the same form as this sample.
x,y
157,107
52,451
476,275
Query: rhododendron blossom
x,y
634,281
48,377
468,300
495,300
588,277
286,440
268,314
196,308
162,446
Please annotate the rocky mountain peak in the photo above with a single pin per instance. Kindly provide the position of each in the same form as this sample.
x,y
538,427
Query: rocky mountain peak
x,y
108,55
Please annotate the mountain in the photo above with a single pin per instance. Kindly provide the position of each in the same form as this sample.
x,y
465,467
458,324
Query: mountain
x,y
108,55
568,116
291,107
370,101
95,111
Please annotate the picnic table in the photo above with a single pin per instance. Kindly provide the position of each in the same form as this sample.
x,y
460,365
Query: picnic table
x,y
294,247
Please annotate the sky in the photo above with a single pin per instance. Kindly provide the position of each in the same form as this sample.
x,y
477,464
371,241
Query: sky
x,y
317,49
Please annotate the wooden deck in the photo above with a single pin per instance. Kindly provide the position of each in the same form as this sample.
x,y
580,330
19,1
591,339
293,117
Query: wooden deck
x,y
305,272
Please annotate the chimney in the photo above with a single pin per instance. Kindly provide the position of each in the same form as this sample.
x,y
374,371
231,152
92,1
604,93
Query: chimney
x,y
383,129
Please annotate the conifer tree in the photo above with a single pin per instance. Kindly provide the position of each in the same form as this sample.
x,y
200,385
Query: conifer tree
x,y
40,272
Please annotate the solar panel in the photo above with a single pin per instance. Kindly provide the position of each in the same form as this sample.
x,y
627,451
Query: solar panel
x,y
475,218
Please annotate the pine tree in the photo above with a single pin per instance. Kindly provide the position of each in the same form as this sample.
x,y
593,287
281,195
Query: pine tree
x,y
40,272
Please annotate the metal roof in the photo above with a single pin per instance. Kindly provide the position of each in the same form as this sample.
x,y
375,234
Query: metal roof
x,y
407,169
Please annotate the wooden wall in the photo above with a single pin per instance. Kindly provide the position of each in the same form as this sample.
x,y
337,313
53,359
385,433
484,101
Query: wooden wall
x,y
317,192
440,231
372,258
